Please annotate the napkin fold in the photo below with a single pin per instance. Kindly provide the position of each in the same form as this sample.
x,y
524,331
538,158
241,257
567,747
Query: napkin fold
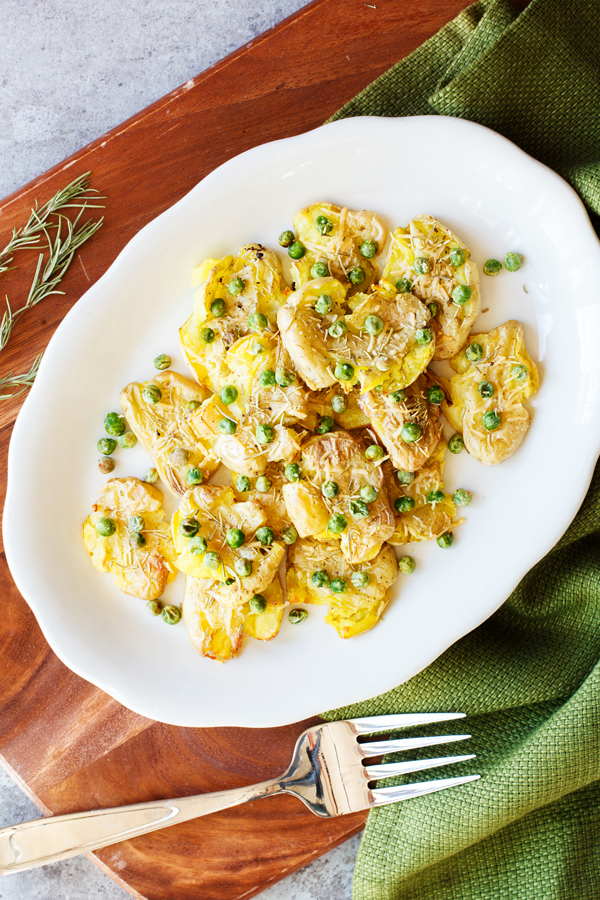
x,y
529,677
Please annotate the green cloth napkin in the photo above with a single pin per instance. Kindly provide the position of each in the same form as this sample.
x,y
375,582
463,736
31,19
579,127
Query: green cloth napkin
x,y
529,677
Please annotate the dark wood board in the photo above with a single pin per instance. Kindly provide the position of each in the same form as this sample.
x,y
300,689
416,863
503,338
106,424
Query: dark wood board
x,y
69,745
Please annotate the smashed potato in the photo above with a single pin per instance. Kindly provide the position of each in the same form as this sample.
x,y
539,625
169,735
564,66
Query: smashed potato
x,y
164,431
356,594
423,259
487,394
327,503
140,558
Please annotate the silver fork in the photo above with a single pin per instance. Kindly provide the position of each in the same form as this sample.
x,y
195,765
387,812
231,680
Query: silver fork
x,y
326,773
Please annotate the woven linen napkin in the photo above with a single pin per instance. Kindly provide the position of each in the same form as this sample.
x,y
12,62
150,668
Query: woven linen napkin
x,y
529,677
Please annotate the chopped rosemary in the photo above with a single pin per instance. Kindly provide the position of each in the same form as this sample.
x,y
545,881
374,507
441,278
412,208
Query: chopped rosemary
x,y
23,381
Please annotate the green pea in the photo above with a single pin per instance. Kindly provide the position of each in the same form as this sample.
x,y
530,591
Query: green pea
x,y
474,352
228,394
193,404
330,489
106,465
359,509
150,476
323,225
135,523
337,523
263,484
435,394
114,424
491,420
154,607
127,440
421,265
296,616
457,256
235,537
162,362
433,309
344,371
485,389
267,378
513,261
236,286
369,493
289,535
207,335
423,336
179,456
286,238
369,249
461,293
406,565
256,348
194,475
338,585
258,604
445,540
105,526
405,477
292,472
323,304
339,404
411,432
492,266
360,579
197,545
319,270
106,446
397,396
218,308
374,452
325,425
435,497
189,527
403,286
227,426
320,579
373,325
462,497
243,567
296,250
136,539
338,328
356,275
284,377
519,373
265,434
456,443
171,615
257,321
229,581
212,560
242,484
404,504
265,536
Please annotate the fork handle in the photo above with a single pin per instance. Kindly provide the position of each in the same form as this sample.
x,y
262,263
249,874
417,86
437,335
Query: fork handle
x,y
44,841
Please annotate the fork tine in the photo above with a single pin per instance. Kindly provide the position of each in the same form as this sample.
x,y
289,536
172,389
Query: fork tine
x,y
372,724
378,748
389,770
383,796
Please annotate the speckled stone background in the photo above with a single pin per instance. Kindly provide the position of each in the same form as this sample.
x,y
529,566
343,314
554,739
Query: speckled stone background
x,y
69,71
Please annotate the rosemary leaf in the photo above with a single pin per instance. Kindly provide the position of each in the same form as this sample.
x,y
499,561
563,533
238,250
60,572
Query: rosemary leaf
x,y
74,195
23,381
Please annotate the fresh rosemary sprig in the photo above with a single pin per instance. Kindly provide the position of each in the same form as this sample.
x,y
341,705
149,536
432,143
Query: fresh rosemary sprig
x,y
23,381
44,283
73,196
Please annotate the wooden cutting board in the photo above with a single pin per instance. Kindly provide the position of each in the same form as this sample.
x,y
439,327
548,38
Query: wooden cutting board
x,y
69,745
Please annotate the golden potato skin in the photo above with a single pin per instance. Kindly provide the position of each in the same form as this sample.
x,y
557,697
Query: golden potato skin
x,y
164,428
143,572
504,353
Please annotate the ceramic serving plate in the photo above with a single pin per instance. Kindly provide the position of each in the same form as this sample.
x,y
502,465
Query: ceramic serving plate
x,y
491,194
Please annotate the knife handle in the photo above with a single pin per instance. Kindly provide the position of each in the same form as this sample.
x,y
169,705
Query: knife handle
x,y
44,841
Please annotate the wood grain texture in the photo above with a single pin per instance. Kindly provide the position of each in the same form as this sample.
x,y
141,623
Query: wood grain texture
x,y
69,745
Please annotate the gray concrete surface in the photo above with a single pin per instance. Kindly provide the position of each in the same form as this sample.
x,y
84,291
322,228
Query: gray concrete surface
x,y
69,71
